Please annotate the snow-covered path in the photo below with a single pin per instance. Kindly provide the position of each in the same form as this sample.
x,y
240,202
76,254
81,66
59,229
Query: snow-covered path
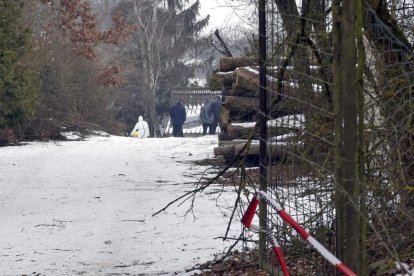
x,y
84,208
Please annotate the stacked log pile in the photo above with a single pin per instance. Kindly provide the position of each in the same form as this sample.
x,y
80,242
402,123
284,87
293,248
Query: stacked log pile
x,y
238,79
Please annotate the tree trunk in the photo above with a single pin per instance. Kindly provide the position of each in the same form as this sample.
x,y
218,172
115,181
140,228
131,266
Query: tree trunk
x,y
248,75
283,108
345,109
220,79
363,271
275,152
243,91
241,103
338,122
230,63
350,142
239,132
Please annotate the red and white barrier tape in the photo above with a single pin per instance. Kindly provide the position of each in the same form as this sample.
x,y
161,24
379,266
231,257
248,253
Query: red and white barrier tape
x,y
278,251
248,216
275,245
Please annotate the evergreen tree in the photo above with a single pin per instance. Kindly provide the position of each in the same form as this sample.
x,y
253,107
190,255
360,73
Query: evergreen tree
x,y
159,51
18,82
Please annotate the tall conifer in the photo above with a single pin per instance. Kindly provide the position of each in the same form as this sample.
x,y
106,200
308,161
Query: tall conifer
x,y
159,51
18,84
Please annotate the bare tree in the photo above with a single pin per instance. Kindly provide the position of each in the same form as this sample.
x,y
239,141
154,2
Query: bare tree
x,y
165,32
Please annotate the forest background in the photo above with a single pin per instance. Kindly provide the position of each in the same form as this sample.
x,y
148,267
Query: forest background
x,y
100,64
345,66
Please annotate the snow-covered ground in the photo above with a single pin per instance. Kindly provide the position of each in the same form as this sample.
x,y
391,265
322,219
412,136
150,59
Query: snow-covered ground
x,y
85,207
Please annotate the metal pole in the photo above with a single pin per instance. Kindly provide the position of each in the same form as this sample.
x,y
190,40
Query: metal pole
x,y
263,131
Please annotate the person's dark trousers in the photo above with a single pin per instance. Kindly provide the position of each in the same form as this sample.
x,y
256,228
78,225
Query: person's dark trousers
x,y
178,130
213,127
205,127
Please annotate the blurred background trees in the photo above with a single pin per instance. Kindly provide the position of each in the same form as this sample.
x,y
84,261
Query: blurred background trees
x,y
158,55
19,86
95,64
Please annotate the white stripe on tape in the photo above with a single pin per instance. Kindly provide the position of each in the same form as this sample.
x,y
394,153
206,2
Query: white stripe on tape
x,y
328,255
254,227
270,201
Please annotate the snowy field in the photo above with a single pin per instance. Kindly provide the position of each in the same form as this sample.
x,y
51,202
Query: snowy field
x,y
85,208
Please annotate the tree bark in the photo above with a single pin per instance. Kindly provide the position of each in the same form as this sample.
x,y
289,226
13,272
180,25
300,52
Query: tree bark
x,y
345,111
244,90
363,270
350,142
285,107
239,132
235,103
338,122
220,79
274,152
231,63
248,75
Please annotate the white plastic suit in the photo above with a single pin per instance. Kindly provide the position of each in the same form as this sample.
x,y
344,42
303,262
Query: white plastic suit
x,y
142,128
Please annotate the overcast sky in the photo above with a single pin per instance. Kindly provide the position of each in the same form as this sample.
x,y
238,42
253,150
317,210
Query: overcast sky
x,y
221,13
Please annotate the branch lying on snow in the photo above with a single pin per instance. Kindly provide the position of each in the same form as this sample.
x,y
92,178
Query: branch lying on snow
x,y
134,220
61,224
239,156
202,188
242,185
191,194
237,239
235,263
50,225
230,249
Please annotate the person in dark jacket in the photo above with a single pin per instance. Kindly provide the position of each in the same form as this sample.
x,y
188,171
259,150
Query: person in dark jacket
x,y
205,118
214,111
177,118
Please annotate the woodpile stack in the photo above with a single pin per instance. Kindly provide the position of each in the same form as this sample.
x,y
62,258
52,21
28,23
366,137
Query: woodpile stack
x,y
238,79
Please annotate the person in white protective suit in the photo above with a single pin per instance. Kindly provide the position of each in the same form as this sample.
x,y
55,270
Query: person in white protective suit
x,y
141,129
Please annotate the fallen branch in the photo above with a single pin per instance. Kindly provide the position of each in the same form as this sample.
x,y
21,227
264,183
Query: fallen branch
x,y
49,225
239,156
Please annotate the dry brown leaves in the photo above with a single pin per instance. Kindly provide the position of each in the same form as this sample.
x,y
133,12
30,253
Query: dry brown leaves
x,y
77,19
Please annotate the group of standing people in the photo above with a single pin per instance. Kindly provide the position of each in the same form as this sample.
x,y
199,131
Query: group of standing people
x,y
177,116
210,114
